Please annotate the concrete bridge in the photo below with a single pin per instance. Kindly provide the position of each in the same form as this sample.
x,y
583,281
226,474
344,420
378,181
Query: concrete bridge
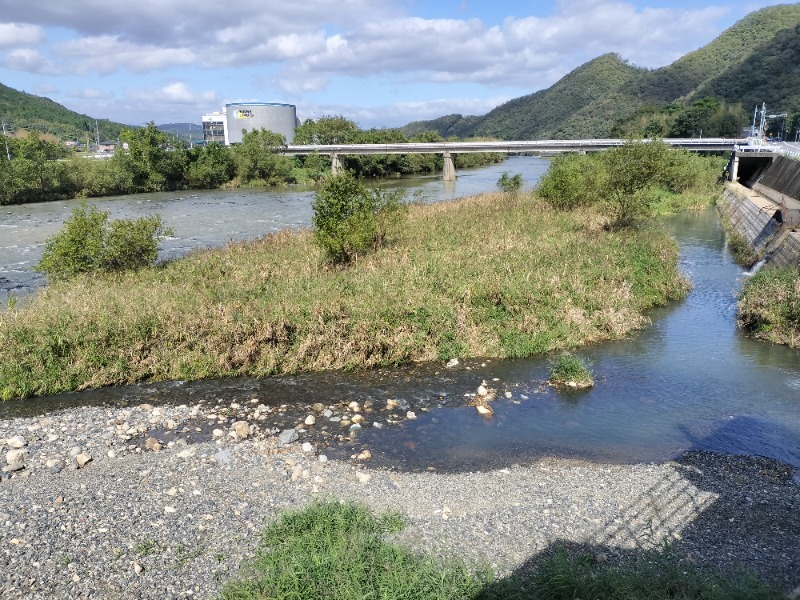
x,y
447,149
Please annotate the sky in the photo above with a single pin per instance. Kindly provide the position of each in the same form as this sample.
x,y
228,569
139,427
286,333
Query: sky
x,y
380,63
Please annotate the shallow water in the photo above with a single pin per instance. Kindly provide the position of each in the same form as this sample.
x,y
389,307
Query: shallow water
x,y
691,380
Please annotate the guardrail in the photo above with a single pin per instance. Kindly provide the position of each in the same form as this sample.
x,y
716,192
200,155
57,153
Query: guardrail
x,y
532,146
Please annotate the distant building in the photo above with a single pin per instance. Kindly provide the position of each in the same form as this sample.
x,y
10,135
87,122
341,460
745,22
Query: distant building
x,y
228,126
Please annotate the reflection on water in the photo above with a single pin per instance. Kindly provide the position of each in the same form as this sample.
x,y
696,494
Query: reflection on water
x,y
690,380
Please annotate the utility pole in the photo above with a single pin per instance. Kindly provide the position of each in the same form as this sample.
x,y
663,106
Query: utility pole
x,y
5,139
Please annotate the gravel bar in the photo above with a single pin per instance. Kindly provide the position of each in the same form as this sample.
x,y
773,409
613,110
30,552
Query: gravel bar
x,y
168,501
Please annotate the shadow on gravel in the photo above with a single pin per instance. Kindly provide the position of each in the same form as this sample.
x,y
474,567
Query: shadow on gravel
x,y
733,515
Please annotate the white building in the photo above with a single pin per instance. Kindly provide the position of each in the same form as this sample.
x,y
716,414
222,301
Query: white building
x,y
229,125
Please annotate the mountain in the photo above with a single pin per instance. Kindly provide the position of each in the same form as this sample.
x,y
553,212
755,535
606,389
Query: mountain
x,y
756,60
20,110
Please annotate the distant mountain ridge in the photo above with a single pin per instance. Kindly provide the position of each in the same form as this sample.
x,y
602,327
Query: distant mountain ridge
x,y
756,60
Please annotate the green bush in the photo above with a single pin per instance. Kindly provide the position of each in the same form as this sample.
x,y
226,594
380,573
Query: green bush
x,y
509,184
89,242
572,180
349,219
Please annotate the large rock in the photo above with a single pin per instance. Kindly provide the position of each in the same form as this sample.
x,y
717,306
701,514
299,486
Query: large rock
x,y
287,436
15,456
242,429
16,442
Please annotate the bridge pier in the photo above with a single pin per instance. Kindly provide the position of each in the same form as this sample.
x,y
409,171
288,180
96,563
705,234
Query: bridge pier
x,y
734,171
336,164
449,172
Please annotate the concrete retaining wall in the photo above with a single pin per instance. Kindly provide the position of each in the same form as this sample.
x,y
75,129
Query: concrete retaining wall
x,y
752,216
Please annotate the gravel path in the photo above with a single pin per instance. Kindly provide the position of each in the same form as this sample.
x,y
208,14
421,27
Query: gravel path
x,y
166,502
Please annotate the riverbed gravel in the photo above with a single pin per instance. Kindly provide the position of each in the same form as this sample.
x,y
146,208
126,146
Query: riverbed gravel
x,y
168,501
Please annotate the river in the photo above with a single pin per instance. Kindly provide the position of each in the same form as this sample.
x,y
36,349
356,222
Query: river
x,y
691,380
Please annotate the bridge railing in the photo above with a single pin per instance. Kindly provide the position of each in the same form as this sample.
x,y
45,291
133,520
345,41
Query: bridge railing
x,y
532,146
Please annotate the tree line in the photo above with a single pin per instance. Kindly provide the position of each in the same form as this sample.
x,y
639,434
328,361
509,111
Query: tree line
x,y
34,169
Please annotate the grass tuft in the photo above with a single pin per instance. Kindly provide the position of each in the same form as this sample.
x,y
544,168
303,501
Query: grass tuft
x,y
572,371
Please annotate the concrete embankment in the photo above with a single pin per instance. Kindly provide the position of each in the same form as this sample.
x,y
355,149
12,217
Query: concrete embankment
x,y
764,209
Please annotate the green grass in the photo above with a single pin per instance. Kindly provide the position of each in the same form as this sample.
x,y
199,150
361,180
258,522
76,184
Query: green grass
x,y
332,550
571,370
769,306
488,276
339,551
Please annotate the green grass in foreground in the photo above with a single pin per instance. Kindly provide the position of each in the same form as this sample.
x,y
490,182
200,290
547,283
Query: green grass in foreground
x,y
769,306
488,276
334,551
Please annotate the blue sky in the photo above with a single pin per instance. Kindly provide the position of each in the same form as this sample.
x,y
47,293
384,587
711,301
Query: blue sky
x,y
381,63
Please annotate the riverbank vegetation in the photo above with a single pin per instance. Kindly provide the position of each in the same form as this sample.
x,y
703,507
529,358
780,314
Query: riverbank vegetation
x,y
633,182
769,306
332,550
40,170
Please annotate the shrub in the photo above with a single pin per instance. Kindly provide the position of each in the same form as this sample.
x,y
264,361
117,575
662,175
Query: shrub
x,y
350,219
89,243
572,180
509,184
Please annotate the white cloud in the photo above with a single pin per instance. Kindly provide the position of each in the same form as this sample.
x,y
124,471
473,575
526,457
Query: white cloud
x,y
31,61
15,34
106,54
175,93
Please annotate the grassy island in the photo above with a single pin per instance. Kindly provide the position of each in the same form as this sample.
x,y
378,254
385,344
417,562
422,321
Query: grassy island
x,y
497,275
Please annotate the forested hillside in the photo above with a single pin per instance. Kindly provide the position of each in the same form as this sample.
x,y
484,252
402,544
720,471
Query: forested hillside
x,y
35,113
712,90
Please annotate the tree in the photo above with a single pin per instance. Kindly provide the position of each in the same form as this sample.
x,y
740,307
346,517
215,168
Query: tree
x,y
257,158
326,130
629,171
149,165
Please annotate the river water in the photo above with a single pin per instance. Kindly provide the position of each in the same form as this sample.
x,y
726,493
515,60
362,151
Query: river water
x,y
691,380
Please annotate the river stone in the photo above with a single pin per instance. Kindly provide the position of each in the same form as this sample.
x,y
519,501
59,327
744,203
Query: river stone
x,y
411,415
83,459
15,456
287,436
15,466
242,429
152,444
16,442
55,465
307,447
311,420
318,407
453,362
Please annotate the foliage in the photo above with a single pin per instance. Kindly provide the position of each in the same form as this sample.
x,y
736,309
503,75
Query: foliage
x,y
509,184
258,158
570,370
349,219
337,551
148,165
210,166
769,305
631,180
572,180
89,243
326,130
